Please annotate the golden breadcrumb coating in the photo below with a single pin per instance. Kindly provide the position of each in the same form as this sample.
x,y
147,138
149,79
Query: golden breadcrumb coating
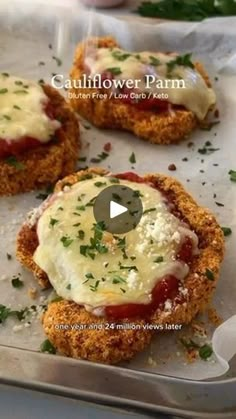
x,y
45,164
105,344
193,296
159,128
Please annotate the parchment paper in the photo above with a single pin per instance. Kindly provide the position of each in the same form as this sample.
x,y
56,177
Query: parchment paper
x,y
26,30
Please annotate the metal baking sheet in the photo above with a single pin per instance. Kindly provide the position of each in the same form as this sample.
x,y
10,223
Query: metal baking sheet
x,y
30,35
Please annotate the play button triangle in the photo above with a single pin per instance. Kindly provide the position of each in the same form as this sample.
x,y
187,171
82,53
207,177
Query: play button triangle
x,y
116,209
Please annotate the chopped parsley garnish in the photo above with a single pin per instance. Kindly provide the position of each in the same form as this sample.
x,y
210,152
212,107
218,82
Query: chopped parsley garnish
x,y
47,346
149,210
7,117
4,90
58,61
9,256
85,282
122,245
82,158
132,158
21,92
205,352
100,157
114,180
98,230
5,74
81,208
76,224
116,197
4,313
159,259
219,204
183,60
53,221
154,61
41,81
100,184
89,275
94,287
81,234
91,202
232,174
16,282
84,250
206,150
101,248
41,63
66,241
187,10
227,231
121,242
137,194
120,56
12,161
95,242
207,126
189,344
118,280
122,289
129,268
133,213
18,83
210,275
68,287
116,71
17,107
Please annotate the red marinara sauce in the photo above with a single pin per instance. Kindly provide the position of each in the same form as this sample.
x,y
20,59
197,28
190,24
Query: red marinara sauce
x,y
166,288
13,148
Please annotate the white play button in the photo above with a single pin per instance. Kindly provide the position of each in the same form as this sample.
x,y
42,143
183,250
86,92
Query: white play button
x,y
119,208
116,209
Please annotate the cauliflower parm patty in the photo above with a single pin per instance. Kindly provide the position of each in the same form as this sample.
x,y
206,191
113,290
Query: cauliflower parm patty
x,y
39,135
159,97
171,76
113,281
94,268
23,107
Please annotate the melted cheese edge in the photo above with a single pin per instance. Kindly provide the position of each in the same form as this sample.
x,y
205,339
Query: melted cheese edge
x,y
22,114
159,233
196,96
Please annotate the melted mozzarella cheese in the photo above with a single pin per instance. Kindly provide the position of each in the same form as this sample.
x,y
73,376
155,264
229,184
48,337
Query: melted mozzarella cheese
x,y
22,110
196,96
125,273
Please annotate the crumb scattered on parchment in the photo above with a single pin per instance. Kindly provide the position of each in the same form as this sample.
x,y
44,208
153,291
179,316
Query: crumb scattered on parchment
x,y
199,329
214,317
32,293
152,362
192,355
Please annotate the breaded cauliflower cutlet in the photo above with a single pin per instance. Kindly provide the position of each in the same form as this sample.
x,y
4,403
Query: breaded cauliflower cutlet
x,y
112,346
105,344
47,163
159,128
